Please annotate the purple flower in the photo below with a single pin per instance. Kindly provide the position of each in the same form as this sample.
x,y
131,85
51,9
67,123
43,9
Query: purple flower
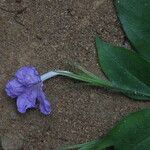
x,y
26,86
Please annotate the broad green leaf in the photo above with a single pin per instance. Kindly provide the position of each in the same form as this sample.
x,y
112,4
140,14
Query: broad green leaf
x,y
131,133
125,69
81,74
135,18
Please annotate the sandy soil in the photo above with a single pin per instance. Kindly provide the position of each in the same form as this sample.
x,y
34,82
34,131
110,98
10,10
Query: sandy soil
x,y
50,34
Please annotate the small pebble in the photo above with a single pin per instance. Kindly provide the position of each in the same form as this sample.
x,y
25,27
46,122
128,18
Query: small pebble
x,y
12,141
13,115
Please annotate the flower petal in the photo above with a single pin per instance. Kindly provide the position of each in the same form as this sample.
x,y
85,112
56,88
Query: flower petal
x,y
28,76
14,88
44,106
27,100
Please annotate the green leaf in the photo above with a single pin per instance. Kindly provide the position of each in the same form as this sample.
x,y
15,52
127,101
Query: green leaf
x,y
79,73
134,16
125,69
85,76
131,133
85,146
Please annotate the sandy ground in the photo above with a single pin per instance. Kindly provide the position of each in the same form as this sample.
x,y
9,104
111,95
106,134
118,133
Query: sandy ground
x,y
49,34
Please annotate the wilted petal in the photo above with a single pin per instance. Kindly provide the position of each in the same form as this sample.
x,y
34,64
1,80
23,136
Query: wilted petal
x,y
45,106
27,100
14,88
28,76
27,87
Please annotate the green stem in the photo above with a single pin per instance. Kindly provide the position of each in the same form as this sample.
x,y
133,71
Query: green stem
x,y
92,80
